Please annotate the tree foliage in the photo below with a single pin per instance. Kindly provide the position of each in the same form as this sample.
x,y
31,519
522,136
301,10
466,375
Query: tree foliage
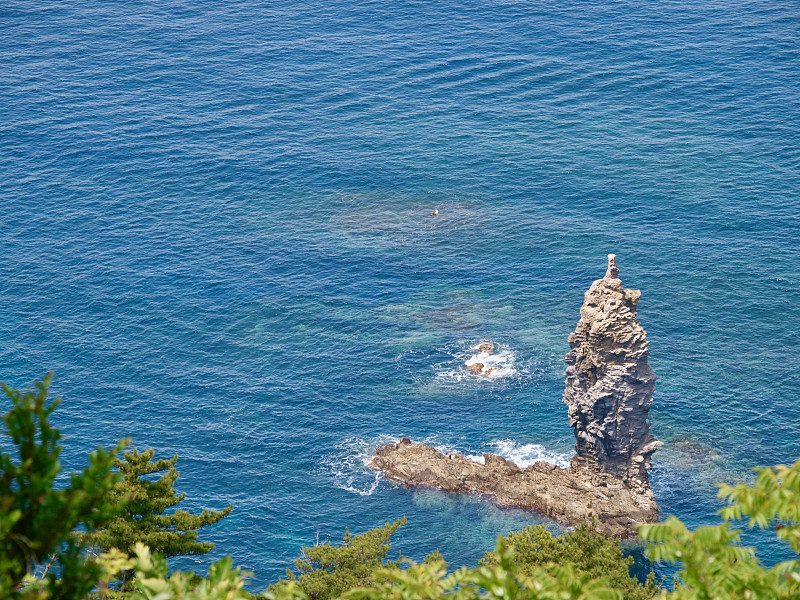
x,y
143,521
153,583
326,571
504,578
586,550
500,579
774,499
521,567
714,564
36,516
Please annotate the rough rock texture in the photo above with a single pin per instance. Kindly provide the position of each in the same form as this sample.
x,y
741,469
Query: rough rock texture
x,y
609,385
571,496
479,368
609,388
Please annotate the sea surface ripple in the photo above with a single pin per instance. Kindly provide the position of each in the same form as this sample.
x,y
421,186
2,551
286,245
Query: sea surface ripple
x,y
216,231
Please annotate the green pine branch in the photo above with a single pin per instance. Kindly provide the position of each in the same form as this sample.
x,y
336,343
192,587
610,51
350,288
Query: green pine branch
x,y
143,520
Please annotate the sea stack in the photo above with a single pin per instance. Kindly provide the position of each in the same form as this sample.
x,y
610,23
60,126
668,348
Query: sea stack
x,y
609,385
608,392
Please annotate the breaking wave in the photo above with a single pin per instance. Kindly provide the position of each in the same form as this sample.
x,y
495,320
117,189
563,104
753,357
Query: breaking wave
x,y
474,361
350,470
349,466
523,455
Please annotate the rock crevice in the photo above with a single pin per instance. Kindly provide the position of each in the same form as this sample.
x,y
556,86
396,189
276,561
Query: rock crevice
x,y
608,392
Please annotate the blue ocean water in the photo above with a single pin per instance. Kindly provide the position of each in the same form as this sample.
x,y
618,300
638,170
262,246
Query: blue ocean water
x,y
216,231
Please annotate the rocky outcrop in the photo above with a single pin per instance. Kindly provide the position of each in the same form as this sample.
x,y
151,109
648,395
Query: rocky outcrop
x,y
475,368
608,392
571,496
609,385
485,350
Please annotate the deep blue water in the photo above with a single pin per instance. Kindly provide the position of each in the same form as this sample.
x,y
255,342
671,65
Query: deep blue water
x,y
216,232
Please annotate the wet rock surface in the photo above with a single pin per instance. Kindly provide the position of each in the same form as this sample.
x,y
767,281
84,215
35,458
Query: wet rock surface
x,y
487,347
475,368
608,392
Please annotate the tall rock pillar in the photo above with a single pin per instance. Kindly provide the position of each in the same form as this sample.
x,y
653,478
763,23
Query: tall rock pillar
x,y
609,385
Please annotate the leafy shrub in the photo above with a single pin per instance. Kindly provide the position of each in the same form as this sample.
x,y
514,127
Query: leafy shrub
x,y
584,549
327,571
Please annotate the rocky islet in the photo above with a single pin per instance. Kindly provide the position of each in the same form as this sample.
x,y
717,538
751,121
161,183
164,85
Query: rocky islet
x,y
609,383
608,391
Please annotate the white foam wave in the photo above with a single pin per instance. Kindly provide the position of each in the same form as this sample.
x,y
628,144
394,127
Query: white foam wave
x,y
350,470
494,365
349,466
524,455
500,363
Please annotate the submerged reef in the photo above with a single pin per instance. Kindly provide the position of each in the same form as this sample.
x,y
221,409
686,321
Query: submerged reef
x,y
608,391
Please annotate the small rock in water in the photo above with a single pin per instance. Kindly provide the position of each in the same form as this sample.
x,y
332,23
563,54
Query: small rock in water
x,y
476,368
487,347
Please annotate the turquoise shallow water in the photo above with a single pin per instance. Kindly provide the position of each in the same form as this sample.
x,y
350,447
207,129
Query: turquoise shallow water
x,y
216,231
